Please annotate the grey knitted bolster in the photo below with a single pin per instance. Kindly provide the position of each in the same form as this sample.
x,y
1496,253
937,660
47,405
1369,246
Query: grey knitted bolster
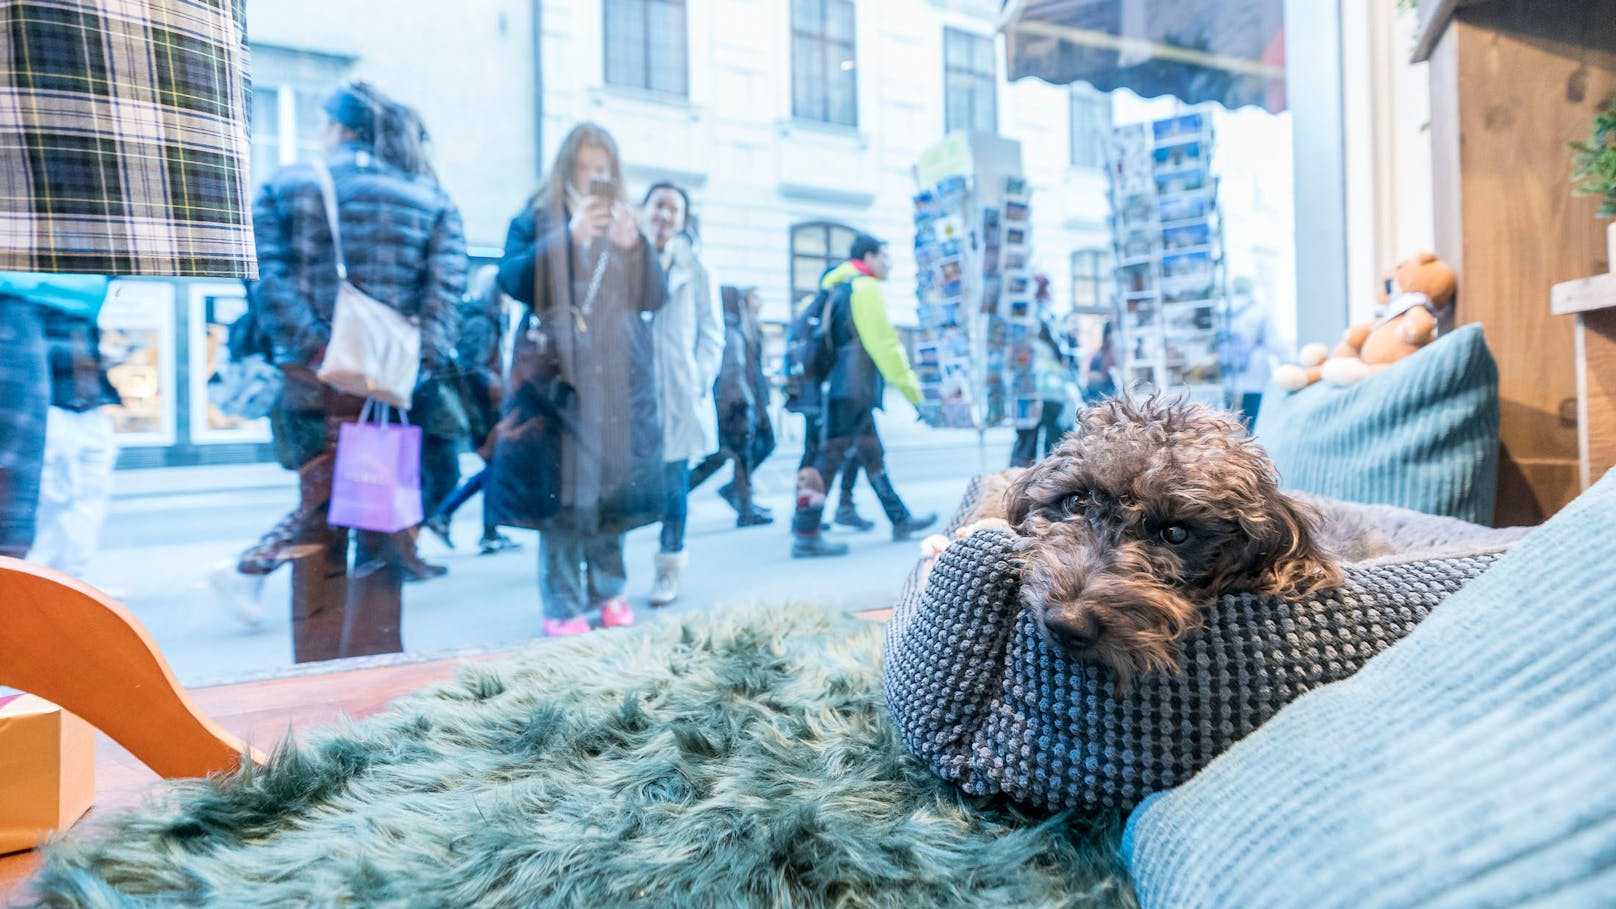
x,y
987,703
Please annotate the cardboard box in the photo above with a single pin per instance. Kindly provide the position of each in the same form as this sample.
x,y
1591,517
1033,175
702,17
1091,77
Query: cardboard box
x,y
47,770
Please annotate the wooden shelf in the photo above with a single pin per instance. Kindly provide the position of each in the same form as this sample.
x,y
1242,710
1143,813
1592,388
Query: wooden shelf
x,y
1593,302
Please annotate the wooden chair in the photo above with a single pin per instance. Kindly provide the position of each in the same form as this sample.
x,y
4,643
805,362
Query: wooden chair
x,y
67,642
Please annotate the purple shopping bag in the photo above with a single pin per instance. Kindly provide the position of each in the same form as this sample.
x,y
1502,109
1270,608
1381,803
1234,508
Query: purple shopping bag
x,y
377,481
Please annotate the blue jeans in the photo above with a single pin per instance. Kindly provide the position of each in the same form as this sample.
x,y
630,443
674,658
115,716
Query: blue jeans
x,y
676,504
578,571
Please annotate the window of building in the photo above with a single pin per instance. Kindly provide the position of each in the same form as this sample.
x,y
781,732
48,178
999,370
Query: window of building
x,y
289,87
824,62
815,247
287,123
970,82
1091,126
1091,278
646,46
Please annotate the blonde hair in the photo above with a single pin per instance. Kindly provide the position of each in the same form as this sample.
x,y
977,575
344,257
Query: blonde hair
x,y
584,135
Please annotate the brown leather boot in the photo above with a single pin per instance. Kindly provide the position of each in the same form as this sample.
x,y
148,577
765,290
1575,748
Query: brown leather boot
x,y
284,541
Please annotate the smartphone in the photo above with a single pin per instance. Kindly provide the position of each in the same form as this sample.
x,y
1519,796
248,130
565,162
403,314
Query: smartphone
x,y
606,189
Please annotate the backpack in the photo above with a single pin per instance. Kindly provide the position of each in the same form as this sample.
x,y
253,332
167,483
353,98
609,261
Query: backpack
x,y
810,346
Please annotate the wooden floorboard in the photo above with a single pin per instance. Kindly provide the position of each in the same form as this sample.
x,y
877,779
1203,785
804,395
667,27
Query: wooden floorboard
x,y
261,713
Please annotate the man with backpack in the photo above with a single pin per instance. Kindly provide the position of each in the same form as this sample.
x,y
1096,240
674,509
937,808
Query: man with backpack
x,y
808,361
858,351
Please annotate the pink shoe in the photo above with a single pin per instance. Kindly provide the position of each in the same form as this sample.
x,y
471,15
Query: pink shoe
x,y
614,613
560,628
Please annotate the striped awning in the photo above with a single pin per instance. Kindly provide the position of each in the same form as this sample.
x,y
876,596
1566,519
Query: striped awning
x,y
1228,51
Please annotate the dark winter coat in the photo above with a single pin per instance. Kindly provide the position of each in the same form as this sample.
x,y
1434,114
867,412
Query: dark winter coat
x,y
741,393
403,243
479,378
868,352
579,443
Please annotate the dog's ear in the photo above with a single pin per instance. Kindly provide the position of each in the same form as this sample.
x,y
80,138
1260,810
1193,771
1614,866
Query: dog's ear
x,y
1282,556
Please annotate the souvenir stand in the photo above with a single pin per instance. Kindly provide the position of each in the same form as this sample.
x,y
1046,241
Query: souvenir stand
x,y
973,235
1168,240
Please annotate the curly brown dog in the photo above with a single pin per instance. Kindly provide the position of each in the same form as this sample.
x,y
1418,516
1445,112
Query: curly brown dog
x,y
1142,516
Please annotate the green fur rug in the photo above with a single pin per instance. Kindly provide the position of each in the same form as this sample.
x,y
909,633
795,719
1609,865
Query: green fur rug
x,y
741,758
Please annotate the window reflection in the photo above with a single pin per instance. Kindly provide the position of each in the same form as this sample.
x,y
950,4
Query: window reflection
x,y
754,113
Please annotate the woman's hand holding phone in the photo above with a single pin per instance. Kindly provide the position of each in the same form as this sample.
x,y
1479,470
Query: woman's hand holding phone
x,y
625,227
590,219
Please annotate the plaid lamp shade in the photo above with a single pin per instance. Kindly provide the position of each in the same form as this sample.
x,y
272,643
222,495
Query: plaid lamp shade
x,y
123,138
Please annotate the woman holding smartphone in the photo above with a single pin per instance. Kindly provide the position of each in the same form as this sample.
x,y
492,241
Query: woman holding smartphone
x,y
578,450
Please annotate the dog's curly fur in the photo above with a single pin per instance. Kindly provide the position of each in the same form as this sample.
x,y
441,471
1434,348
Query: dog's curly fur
x,y
1141,517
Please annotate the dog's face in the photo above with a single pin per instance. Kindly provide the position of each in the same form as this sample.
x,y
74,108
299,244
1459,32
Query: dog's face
x,y
1144,515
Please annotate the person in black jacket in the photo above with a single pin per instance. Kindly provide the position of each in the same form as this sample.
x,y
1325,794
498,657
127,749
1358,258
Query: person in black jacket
x,y
478,384
868,356
403,245
578,448
741,396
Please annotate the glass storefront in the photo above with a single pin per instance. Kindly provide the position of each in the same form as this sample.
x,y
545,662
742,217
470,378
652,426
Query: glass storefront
x,y
791,129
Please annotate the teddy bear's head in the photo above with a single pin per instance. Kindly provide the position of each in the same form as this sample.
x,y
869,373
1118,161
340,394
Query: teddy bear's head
x,y
1424,273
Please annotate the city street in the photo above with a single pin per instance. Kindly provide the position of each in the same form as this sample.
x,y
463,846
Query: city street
x,y
169,527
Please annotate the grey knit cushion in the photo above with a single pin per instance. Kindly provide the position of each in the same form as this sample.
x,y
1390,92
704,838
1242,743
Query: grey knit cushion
x,y
984,700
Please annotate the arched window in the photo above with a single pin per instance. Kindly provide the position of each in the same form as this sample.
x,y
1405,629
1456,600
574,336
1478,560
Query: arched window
x,y
816,246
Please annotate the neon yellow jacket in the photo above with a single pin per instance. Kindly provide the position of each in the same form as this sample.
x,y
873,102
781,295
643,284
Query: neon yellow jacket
x,y
875,331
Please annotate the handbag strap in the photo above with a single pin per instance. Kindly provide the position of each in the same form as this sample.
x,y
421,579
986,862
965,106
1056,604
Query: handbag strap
x,y
381,413
328,192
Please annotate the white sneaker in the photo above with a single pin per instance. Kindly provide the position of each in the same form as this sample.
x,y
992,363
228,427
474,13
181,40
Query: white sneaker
x,y
242,594
670,566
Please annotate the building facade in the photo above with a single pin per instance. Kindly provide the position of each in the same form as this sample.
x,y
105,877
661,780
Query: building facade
x,y
793,123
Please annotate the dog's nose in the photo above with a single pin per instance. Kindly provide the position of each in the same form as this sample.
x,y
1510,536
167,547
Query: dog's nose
x,y
1075,631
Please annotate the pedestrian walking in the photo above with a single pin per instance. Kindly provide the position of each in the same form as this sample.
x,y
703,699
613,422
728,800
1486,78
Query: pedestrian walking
x,y
741,396
1099,377
478,382
868,354
689,338
75,488
805,395
1249,347
1056,387
26,389
578,449
402,243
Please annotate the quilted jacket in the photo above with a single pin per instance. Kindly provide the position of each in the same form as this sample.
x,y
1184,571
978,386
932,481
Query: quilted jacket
x,y
403,243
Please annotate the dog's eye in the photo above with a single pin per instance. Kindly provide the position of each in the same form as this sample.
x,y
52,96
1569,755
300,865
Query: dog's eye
x,y
1174,535
1074,503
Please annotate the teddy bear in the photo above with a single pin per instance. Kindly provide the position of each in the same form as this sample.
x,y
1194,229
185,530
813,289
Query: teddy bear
x,y
1414,299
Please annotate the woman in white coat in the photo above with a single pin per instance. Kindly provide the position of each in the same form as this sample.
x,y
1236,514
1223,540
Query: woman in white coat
x,y
689,338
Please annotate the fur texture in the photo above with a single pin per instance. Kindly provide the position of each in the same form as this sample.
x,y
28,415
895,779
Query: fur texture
x,y
1141,517
741,758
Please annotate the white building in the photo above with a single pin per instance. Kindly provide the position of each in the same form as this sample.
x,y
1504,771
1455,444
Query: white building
x,y
787,119
793,123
